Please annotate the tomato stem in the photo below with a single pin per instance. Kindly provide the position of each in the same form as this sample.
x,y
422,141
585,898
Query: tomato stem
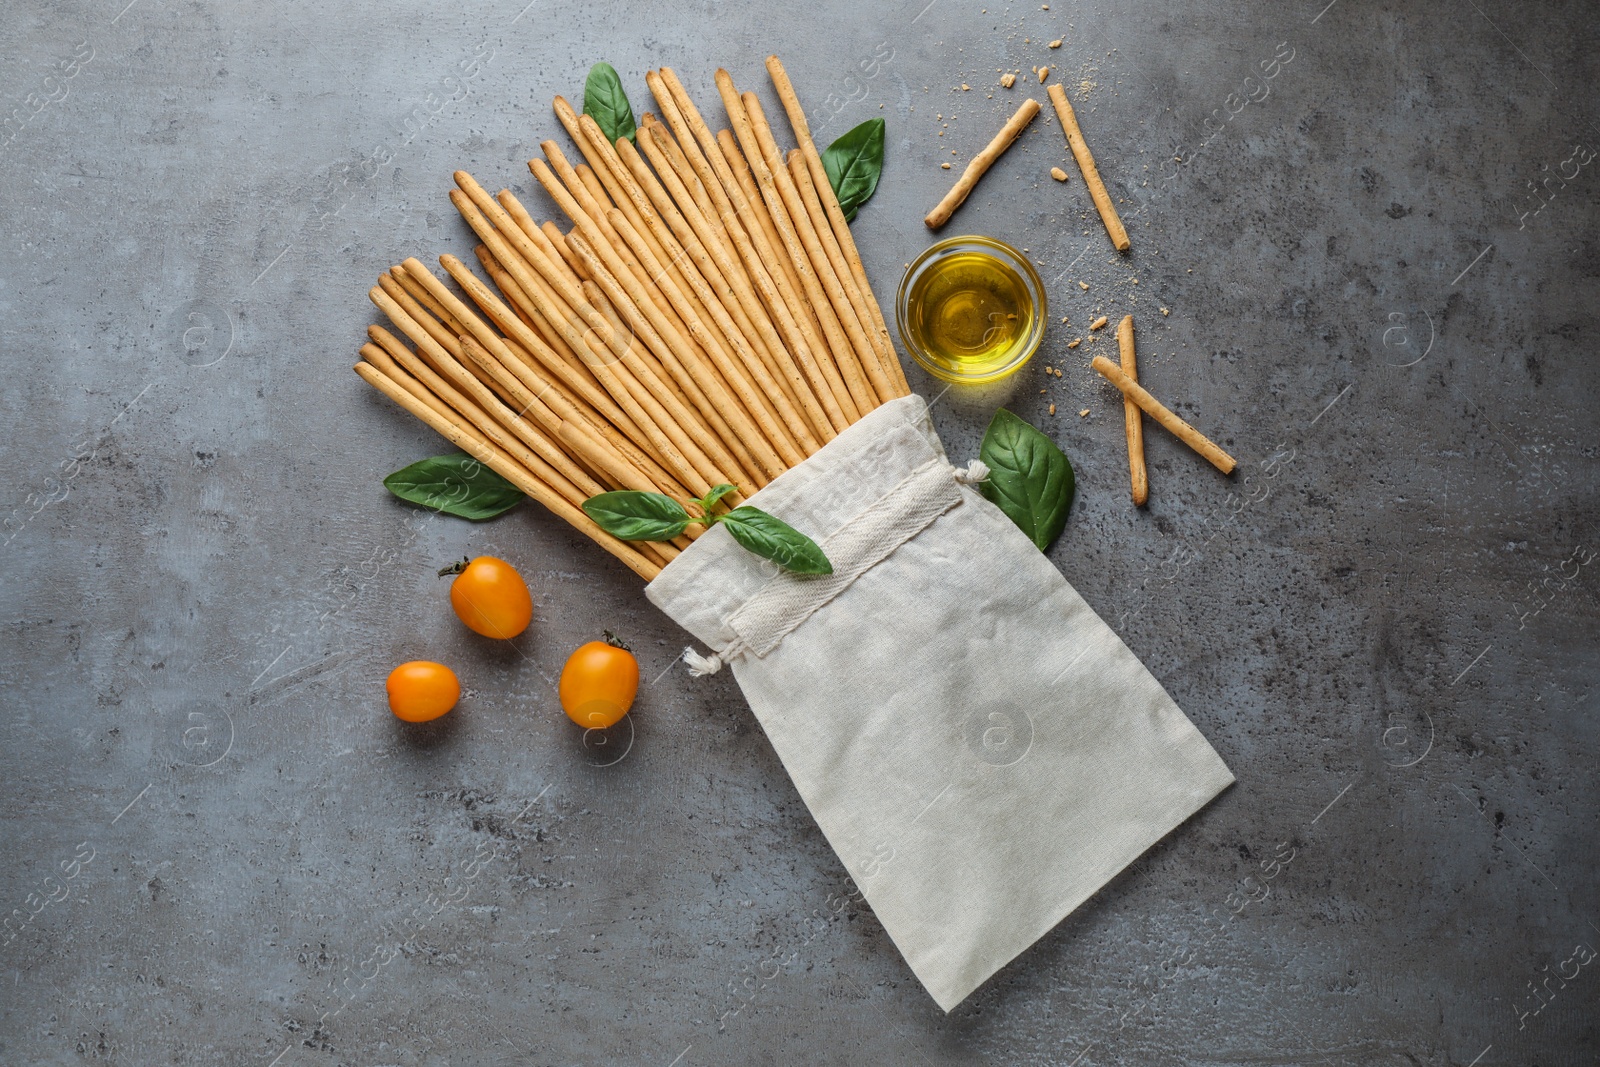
x,y
616,642
455,568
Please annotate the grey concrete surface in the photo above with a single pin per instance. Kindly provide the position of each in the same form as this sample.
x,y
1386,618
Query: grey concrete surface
x,y
221,849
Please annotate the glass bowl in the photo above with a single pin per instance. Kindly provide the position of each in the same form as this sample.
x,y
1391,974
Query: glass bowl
x,y
994,365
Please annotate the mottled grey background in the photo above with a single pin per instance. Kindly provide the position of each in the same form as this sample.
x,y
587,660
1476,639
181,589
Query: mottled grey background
x,y
1386,622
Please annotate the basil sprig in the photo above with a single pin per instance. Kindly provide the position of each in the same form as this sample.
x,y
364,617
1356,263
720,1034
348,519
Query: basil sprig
x,y
854,162
605,102
455,484
635,516
1030,479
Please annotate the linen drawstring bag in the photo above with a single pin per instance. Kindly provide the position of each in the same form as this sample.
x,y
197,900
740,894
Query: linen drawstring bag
x,y
979,748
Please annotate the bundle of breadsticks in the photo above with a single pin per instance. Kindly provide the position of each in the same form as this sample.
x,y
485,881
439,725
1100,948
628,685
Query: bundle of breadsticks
x,y
706,318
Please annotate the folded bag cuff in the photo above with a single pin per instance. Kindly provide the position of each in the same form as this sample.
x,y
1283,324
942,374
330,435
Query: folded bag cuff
x,y
866,492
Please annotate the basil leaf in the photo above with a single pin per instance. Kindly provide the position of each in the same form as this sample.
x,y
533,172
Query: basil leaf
x,y
709,501
774,539
853,163
606,103
1030,478
455,484
635,516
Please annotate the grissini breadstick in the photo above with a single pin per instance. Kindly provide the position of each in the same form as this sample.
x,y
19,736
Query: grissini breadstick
x,y
1156,410
980,163
716,239
642,361
530,447
1133,420
384,359
744,219
687,387
413,306
597,191
712,281
633,204
673,274
587,214
546,288
524,308
841,280
596,148
419,292
748,374
659,333
1091,173
848,340
591,450
780,267
476,404
563,173
558,240
836,219
736,214
696,191
497,461
682,457
755,401
670,185
597,398
533,231
520,339
572,410
502,280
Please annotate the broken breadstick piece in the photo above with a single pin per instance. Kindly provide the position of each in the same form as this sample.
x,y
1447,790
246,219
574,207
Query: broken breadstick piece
x,y
981,163
1132,419
1091,176
1156,410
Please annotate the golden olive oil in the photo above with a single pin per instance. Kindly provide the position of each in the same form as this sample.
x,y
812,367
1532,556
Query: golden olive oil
x,y
970,312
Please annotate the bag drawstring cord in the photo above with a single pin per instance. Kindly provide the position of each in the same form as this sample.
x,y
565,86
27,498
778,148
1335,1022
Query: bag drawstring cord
x,y
974,472
700,666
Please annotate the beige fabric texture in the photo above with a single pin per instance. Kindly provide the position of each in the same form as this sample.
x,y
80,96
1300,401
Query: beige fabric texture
x,y
979,748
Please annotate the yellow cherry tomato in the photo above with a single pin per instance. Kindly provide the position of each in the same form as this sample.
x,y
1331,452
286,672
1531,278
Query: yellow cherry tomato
x,y
598,684
490,597
419,690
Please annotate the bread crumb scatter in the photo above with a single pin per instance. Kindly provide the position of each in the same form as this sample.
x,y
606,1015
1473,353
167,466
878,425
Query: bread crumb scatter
x,y
1164,311
1055,44
1052,409
1044,72
1058,174
1075,342
1084,412
1083,285
1008,80
1098,324
944,166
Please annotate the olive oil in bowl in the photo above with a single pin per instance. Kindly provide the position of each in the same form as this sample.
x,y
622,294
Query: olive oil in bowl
x,y
971,309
